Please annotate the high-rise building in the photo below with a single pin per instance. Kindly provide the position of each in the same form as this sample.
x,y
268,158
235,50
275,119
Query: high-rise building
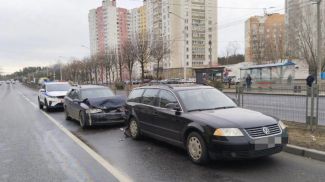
x,y
137,21
265,38
188,30
108,27
301,24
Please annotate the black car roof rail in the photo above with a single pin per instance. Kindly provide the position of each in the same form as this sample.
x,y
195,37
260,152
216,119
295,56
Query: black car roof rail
x,y
160,84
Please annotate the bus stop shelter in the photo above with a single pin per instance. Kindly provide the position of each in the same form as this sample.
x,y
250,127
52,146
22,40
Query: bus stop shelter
x,y
203,75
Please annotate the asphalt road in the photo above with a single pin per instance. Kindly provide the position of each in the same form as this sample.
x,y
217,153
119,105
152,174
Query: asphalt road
x,y
34,148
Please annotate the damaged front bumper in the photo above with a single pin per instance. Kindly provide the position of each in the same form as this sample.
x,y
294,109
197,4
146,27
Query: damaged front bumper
x,y
105,118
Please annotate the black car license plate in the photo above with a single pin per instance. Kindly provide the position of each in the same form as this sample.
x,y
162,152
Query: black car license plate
x,y
267,142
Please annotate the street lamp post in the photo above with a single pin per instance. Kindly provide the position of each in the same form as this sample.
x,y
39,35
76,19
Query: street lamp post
x,y
319,39
210,50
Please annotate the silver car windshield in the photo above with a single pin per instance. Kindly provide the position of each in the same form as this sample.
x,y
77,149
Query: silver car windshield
x,y
205,99
57,87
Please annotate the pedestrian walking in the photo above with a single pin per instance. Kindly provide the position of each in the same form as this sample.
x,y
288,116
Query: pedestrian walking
x,y
310,80
248,82
229,81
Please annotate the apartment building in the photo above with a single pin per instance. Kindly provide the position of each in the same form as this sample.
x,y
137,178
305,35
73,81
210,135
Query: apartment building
x,y
189,32
265,38
137,21
108,27
301,19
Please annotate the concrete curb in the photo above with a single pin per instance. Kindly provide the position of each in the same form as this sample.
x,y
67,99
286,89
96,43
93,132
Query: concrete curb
x,y
305,152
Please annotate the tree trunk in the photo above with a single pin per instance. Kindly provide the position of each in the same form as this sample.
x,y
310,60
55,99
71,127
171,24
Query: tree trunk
x,y
158,70
96,80
142,72
91,76
120,65
106,74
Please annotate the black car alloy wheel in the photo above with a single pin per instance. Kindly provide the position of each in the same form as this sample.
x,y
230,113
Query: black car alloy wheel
x,y
196,148
67,117
82,119
134,129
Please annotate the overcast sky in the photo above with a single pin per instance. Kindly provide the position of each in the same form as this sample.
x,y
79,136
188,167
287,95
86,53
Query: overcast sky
x,y
42,32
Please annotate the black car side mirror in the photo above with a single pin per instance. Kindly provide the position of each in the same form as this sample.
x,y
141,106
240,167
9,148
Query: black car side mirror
x,y
173,106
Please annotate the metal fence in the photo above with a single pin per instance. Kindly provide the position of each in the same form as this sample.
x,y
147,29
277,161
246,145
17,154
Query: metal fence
x,y
286,102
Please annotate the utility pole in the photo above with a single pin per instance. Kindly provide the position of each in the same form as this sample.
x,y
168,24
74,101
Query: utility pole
x,y
61,72
319,41
210,50
184,56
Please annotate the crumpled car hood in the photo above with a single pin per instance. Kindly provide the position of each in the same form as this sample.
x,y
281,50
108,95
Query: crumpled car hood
x,y
109,103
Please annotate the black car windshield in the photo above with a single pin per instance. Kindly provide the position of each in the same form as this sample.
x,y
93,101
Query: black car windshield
x,y
96,93
57,87
205,99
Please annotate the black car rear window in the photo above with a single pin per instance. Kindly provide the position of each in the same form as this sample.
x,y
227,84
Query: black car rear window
x,y
135,95
149,96
96,93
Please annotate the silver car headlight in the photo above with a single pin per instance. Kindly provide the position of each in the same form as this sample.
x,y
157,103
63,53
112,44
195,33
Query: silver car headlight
x,y
282,125
93,111
228,132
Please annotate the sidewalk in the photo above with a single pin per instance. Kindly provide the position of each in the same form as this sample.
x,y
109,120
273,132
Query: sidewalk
x,y
305,143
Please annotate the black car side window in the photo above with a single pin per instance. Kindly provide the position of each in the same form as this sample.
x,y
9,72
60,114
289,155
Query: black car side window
x,y
149,96
135,95
166,97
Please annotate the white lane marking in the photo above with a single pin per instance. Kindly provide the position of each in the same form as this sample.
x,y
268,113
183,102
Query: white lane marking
x,y
109,167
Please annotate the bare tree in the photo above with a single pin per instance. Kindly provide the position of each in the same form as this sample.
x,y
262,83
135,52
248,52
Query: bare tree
x,y
258,48
112,65
142,51
158,52
129,56
231,50
306,42
120,64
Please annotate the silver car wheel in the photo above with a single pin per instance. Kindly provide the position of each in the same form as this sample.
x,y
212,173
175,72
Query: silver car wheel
x,y
133,128
195,148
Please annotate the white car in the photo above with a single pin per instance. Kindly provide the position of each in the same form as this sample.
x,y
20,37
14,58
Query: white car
x,y
52,94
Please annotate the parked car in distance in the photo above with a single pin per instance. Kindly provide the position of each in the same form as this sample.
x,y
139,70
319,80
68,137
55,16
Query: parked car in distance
x,y
94,105
51,95
204,121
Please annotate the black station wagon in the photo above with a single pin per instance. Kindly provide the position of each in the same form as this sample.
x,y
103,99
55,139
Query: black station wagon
x,y
204,121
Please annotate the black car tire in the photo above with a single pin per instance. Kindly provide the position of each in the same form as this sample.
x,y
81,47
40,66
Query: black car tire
x,y
82,120
67,117
196,148
47,106
134,128
40,105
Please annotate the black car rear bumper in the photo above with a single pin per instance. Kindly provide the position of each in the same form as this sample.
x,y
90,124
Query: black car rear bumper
x,y
246,148
106,118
